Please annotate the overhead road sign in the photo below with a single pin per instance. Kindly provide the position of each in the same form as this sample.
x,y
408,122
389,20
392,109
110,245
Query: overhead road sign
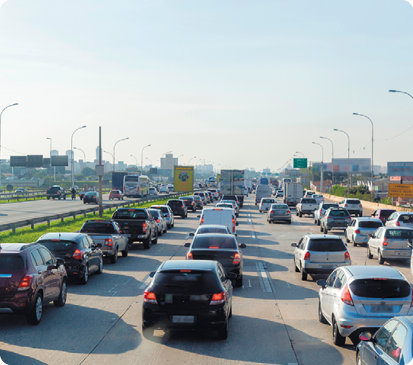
x,y
400,191
400,168
18,161
300,163
34,161
62,160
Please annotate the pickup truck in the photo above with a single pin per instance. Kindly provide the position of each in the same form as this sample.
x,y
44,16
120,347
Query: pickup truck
x,y
306,206
109,235
56,192
137,224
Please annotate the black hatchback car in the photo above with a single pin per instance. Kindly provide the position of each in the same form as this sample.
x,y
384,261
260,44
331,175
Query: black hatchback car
x,y
223,248
188,295
82,257
178,207
91,197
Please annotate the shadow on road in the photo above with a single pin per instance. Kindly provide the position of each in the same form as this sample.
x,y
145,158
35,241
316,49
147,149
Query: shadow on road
x,y
12,358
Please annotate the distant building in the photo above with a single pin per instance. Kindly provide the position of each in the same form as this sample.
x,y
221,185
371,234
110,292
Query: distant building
x,y
54,153
168,162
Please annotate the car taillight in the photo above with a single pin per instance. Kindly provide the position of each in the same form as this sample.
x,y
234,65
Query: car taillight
x,y
347,257
288,212
144,227
345,205
397,223
157,221
329,218
189,256
346,296
357,231
202,220
78,254
218,298
385,242
149,297
272,212
361,206
307,256
192,203
25,283
108,242
237,259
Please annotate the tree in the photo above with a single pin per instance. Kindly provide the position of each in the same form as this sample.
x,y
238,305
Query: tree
x,y
87,171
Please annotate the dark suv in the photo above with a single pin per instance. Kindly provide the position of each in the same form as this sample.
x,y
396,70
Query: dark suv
x,y
56,192
178,207
189,202
30,276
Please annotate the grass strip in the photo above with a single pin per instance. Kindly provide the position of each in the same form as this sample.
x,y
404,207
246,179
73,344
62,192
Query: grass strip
x,y
27,235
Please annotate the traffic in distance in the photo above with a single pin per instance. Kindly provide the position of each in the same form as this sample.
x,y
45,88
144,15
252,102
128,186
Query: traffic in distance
x,y
363,306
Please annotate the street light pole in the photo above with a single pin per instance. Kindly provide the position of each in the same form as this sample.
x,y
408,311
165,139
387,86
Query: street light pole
x,y
8,106
322,167
403,92
142,158
348,160
372,149
112,157
136,161
114,149
300,152
72,156
84,154
54,177
149,161
332,158
191,159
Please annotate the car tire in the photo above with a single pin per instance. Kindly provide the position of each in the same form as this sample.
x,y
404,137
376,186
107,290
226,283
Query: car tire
x,y
164,231
304,275
223,333
354,242
155,240
239,281
125,252
338,339
114,258
146,243
296,213
315,221
318,222
230,311
325,230
169,226
100,267
321,317
380,258
160,233
61,301
347,240
369,255
358,359
173,224
321,228
300,214
85,278
296,269
35,315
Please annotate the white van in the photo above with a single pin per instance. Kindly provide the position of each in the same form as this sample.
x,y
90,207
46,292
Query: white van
x,y
221,216
265,204
262,191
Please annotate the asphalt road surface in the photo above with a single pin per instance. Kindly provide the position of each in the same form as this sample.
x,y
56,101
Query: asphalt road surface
x,y
274,314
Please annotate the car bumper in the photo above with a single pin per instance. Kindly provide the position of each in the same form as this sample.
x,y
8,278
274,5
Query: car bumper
x,y
355,211
75,270
358,238
396,253
280,218
337,226
323,268
136,237
21,302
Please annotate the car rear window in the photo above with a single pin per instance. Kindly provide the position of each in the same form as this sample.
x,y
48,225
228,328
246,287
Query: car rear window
x,y
58,245
227,242
187,282
187,199
339,213
406,218
163,209
386,213
268,200
308,200
326,245
175,203
370,224
98,228
398,233
379,288
326,206
11,262
279,206
130,214
352,201
212,230
224,205
154,212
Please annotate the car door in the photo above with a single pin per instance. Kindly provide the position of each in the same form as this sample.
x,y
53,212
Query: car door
x,y
42,272
374,241
350,229
120,238
51,274
297,253
226,283
395,344
327,296
92,258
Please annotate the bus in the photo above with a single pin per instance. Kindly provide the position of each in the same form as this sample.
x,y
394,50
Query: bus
x,y
135,186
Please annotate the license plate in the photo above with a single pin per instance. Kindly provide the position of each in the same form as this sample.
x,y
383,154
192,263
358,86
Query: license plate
x,y
401,253
183,319
381,309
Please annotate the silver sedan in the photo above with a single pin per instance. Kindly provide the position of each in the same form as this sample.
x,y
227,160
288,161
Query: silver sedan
x,y
279,212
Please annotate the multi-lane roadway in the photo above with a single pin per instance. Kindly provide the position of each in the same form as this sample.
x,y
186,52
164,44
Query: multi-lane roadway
x,y
274,314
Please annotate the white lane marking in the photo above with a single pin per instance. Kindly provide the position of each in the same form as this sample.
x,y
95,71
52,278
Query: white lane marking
x,y
249,221
249,215
161,249
264,280
252,236
249,283
145,283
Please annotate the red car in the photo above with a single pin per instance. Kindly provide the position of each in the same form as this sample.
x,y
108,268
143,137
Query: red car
x,y
383,214
30,276
115,194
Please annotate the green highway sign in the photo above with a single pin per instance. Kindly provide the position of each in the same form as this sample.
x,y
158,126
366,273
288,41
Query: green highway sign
x,y
300,163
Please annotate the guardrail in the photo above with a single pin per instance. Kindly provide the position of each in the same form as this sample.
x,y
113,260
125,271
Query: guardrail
x,y
73,214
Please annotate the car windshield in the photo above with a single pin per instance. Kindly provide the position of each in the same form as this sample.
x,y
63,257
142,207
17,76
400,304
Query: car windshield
x,y
406,218
351,201
203,230
130,214
339,213
11,262
326,245
370,224
91,193
175,203
227,242
95,227
399,234
308,201
380,288
279,206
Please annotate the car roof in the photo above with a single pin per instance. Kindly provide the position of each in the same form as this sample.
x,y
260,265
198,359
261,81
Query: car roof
x,y
13,247
362,271
203,265
215,235
62,236
212,226
364,219
218,209
321,236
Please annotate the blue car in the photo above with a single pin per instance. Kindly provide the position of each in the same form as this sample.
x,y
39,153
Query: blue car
x,y
391,344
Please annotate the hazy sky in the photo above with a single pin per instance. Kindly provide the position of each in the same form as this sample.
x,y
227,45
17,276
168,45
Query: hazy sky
x,y
239,83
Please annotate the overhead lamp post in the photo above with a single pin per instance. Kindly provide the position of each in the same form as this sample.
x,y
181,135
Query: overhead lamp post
x,y
348,160
142,158
112,157
300,152
322,167
332,158
191,159
8,106
54,173
149,161
136,161
72,156
372,149
114,151
84,154
403,92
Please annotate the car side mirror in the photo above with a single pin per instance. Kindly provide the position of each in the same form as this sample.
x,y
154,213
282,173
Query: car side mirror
x,y
198,216
365,336
242,245
99,245
59,262
321,282
237,224
294,245
231,275
152,274
187,244
192,234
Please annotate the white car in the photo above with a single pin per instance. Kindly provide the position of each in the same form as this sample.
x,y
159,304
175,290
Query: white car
x,y
265,204
353,206
400,219
318,198
220,216
321,210
164,189
153,191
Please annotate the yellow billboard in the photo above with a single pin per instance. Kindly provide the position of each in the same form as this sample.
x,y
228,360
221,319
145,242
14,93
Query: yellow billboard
x,y
218,178
184,178
400,190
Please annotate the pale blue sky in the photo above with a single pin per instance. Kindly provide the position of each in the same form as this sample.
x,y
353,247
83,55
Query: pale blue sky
x,y
240,83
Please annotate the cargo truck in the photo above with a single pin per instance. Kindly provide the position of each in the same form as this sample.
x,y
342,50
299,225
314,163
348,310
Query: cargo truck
x,y
293,192
117,180
232,183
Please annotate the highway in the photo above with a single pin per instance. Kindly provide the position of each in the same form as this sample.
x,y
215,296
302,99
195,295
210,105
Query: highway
x,y
274,314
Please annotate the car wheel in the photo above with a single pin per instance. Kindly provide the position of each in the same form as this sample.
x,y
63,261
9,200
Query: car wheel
x,y
338,339
173,224
169,226
315,221
125,252
223,333
300,214
146,243
164,231
114,258
230,312
347,240
354,242
318,222
155,240
61,301
321,317
100,267
36,314
369,255
85,278
160,232
321,228
325,230
296,269
238,282
303,275
296,213
380,258
358,359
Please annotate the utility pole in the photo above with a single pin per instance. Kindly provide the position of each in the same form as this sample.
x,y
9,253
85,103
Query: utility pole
x,y
100,173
